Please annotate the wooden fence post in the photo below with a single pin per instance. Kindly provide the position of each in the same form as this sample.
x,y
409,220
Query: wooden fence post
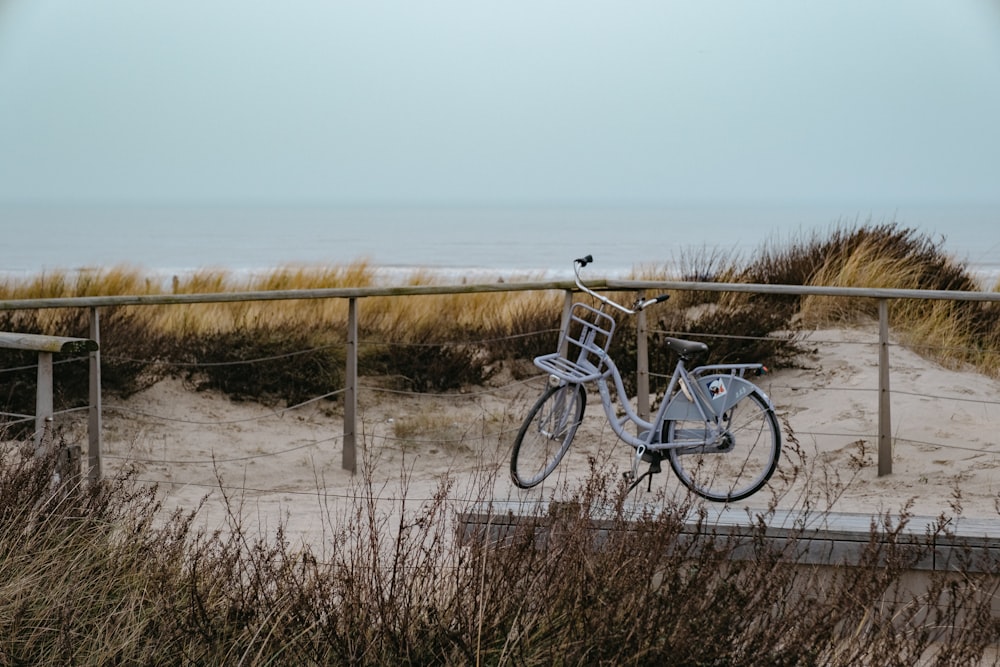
x,y
95,422
349,459
642,362
564,325
43,402
884,418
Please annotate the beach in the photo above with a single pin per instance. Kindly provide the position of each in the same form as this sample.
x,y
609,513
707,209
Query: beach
x,y
284,465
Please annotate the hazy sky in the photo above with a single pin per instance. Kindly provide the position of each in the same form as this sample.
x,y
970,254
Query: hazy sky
x,y
478,101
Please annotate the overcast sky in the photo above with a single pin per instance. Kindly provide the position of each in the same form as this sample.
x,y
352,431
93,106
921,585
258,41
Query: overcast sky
x,y
886,102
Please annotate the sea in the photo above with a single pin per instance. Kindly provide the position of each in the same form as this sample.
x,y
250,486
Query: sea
x,y
457,243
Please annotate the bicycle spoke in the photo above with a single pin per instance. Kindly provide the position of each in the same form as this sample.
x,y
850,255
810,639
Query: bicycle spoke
x,y
739,461
546,434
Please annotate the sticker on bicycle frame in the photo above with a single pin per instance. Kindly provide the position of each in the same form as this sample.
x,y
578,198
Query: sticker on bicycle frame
x,y
717,388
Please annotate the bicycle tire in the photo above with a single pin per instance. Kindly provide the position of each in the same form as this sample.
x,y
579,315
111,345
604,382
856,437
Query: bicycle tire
x,y
740,466
546,434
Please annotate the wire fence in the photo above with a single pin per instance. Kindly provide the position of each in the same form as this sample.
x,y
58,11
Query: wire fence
x,y
465,434
487,427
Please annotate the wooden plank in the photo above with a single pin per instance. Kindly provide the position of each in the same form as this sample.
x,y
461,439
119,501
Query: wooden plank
x,y
614,285
39,343
285,295
830,538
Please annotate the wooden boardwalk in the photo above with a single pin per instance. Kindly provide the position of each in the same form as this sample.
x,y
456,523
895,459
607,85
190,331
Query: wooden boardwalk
x,y
823,538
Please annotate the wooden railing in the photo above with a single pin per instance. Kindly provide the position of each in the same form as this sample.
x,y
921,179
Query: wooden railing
x,y
46,347
354,295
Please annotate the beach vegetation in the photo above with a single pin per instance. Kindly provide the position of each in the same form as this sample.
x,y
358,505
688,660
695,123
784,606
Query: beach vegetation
x,y
102,574
288,349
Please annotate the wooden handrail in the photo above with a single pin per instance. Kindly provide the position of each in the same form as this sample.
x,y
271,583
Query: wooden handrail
x,y
46,346
55,344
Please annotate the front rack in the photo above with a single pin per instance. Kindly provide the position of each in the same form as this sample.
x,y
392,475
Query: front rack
x,y
583,346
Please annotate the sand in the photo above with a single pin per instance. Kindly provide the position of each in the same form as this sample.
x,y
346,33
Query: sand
x,y
277,464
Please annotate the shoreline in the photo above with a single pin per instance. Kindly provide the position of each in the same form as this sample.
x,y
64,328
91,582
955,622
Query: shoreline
x,y
988,277
458,240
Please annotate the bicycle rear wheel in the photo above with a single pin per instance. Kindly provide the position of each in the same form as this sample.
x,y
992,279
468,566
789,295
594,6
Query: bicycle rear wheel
x,y
546,434
740,463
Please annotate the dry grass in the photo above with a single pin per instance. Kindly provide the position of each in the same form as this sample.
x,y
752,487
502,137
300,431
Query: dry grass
x,y
950,332
441,342
97,576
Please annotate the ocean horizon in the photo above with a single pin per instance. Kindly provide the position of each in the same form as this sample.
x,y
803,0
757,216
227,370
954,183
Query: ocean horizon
x,y
455,242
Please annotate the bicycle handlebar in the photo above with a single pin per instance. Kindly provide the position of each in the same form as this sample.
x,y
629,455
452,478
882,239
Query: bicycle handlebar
x,y
640,304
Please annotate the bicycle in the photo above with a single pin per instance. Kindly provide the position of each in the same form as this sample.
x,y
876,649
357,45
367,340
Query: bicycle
x,y
716,428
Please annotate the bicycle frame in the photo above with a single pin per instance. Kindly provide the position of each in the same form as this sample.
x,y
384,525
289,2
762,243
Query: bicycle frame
x,y
702,411
684,398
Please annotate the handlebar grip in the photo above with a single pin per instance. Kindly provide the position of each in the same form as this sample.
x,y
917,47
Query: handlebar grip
x,y
642,305
584,261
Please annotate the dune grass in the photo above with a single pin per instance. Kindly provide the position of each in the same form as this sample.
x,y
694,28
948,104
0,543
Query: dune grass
x,y
444,342
950,332
98,576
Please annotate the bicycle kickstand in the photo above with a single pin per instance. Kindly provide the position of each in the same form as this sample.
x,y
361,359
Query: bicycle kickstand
x,y
654,467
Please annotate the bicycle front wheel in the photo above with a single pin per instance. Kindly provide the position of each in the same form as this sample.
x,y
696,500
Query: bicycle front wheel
x,y
739,462
546,434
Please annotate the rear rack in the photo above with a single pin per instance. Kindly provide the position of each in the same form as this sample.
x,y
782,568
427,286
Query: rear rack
x,y
587,338
739,370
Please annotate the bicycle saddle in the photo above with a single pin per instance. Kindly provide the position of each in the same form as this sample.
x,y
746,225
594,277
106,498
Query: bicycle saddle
x,y
686,348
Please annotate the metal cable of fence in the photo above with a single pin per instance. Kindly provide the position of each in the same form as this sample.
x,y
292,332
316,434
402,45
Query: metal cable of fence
x,y
492,391
977,450
274,413
437,441
979,401
446,396
278,357
323,492
897,439
479,341
691,334
279,413
237,459
27,418
805,339
23,419
213,364
449,441
32,367
959,399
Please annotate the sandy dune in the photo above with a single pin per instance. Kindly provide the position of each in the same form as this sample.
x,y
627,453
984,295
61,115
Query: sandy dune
x,y
277,463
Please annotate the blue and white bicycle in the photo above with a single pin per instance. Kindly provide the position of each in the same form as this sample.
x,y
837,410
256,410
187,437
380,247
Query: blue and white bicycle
x,y
716,428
